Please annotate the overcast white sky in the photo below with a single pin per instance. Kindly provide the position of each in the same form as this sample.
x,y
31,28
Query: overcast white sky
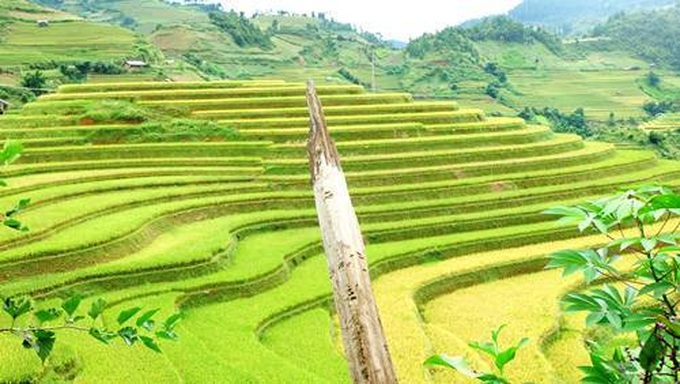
x,y
398,19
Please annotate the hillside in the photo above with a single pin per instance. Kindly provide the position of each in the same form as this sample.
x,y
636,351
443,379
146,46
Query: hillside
x,y
577,17
24,42
650,35
196,196
534,68
184,186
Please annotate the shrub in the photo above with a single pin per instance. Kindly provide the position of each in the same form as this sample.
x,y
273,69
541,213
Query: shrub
x,y
652,79
117,111
36,82
654,108
242,31
165,131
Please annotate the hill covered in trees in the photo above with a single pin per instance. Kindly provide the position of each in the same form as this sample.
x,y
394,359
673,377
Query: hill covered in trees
x,y
651,35
577,16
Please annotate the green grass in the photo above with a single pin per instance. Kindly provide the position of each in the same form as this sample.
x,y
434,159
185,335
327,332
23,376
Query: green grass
x,y
226,230
25,42
598,92
668,121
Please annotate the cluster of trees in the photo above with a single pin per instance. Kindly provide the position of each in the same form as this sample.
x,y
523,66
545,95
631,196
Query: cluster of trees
x,y
349,76
504,29
78,71
493,89
205,66
241,29
651,35
575,16
448,40
574,122
655,108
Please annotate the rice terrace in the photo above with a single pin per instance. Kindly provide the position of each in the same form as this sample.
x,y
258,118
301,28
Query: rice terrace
x,y
161,226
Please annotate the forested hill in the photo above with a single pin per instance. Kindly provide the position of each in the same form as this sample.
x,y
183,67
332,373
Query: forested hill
x,y
577,16
650,35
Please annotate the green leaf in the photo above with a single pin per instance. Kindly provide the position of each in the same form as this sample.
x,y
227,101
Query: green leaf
x,y
97,308
490,378
648,244
495,333
665,202
44,342
102,335
583,225
657,289
651,353
129,335
638,321
456,362
167,334
580,302
489,348
45,315
145,321
13,224
127,314
71,304
150,343
171,321
628,243
673,326
41,341
10,152
20,206
505,357
17,307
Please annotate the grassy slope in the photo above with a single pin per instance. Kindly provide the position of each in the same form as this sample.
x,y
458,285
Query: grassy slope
x,y
598,82
65,39
176,233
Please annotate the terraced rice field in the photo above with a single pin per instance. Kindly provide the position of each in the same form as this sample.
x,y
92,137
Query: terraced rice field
x,y
448,198
665,122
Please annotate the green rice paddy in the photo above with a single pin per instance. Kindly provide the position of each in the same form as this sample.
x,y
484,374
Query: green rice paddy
x,y
225,229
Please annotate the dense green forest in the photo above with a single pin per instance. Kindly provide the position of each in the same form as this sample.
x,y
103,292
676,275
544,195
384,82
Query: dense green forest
x,y
576,16
651,35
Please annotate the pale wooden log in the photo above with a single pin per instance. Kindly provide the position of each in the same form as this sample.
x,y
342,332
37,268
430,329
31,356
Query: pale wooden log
x,y
362,333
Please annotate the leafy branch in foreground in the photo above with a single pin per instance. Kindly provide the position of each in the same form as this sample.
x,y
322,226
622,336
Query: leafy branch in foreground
x,y
39,333
10,153
500,357
132,325
641,300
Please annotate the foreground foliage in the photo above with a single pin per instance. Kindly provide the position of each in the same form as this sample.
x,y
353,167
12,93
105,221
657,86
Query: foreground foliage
x,y
635,282
501,357
642,301
39,333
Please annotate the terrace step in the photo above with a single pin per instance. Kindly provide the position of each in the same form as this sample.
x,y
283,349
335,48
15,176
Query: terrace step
x,y
386,131
427,143
280,102
51,142
559,144
149,86
341,110
209,93
235,166
461,116
237,152
493,124
592,153
340,133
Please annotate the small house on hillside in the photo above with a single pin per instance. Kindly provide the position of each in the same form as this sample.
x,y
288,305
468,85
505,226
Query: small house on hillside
x,y
43,23
4,106
135,64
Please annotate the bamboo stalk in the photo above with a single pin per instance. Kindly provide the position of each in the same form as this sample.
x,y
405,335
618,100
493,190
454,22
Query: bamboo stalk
x,y
363,337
